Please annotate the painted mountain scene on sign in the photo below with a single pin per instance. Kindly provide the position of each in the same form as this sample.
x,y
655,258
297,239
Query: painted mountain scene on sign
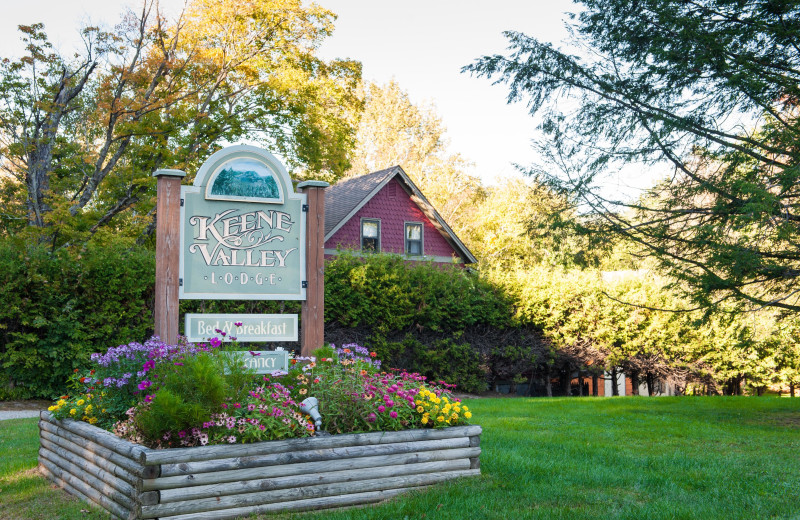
x,y
245,178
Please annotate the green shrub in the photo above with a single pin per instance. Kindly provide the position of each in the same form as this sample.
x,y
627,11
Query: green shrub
x,y
59,307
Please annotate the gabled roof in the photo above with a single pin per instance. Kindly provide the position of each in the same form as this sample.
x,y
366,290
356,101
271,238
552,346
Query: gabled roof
x,y
346,197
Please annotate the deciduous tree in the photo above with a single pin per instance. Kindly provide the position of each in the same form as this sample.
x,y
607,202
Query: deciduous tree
x,y
80,136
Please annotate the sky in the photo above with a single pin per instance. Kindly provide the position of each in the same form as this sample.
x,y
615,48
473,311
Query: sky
x,y
422,44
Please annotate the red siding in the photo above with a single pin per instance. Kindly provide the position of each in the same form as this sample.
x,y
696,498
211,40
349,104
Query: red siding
x,y
393,212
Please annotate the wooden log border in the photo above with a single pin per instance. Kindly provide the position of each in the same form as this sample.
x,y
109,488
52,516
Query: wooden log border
x,y
226,481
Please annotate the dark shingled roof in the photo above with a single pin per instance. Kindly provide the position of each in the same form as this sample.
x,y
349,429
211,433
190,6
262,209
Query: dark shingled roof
x,y
345,197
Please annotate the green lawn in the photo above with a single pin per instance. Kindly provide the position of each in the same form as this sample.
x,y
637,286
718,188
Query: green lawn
x,y
630,457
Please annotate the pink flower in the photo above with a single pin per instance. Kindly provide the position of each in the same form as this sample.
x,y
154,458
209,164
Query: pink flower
x,y
393,414
381,408
371,418
232,439
238,323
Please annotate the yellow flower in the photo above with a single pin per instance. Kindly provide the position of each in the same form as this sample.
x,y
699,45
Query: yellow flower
x,y
445,400
466,408
467,414
104,410
52,408
89,409
93,420
418,402
420,409
440,419
73,411
61,402
80,402
457,409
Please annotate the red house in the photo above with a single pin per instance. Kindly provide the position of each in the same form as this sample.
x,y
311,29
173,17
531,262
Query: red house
x,y
385,212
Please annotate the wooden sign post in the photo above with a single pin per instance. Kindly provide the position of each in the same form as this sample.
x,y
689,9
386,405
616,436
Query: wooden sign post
x,y
168,238
312,313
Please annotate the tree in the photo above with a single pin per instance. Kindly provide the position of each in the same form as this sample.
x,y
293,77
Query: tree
x,y
522,223
709,87
395,131
80,137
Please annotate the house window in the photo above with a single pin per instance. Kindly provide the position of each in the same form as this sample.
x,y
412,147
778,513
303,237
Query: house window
x,y
370,235
413,238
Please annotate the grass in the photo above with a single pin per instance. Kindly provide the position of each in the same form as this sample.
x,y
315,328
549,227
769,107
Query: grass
x,y
630,457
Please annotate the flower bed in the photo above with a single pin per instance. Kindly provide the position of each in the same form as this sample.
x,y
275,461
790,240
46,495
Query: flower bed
x,y
198,436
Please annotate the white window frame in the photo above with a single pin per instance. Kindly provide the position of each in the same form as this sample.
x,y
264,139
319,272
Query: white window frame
x,y
361,233
421,237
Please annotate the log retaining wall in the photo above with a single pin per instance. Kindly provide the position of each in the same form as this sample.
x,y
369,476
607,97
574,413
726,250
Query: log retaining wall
x,y
227,481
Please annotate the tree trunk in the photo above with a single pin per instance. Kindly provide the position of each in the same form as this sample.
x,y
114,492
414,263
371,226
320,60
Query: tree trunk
x,y
614,383
580,383
566,380
650,379
548,382
791,389
594,385
635,382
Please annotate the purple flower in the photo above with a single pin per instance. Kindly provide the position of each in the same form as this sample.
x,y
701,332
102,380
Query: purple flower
x,y
371,418
238,323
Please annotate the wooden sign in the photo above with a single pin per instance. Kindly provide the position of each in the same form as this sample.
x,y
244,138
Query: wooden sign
x,y
264,361
243,230
251,328
240,232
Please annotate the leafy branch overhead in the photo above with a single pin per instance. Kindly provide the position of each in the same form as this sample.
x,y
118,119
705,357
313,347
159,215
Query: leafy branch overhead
x,y
81,136
706,93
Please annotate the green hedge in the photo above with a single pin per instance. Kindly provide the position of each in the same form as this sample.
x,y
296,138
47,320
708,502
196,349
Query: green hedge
x,y
419,316
59,307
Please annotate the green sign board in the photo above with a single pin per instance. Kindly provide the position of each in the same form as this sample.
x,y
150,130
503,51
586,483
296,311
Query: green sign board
x,y
242,230
254,327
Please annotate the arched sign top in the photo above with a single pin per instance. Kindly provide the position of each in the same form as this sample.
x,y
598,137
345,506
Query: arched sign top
x,y
246,174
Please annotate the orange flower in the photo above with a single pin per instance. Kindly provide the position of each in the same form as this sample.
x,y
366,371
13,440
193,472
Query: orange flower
x,y
363,372
373,354
346,351
294,361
